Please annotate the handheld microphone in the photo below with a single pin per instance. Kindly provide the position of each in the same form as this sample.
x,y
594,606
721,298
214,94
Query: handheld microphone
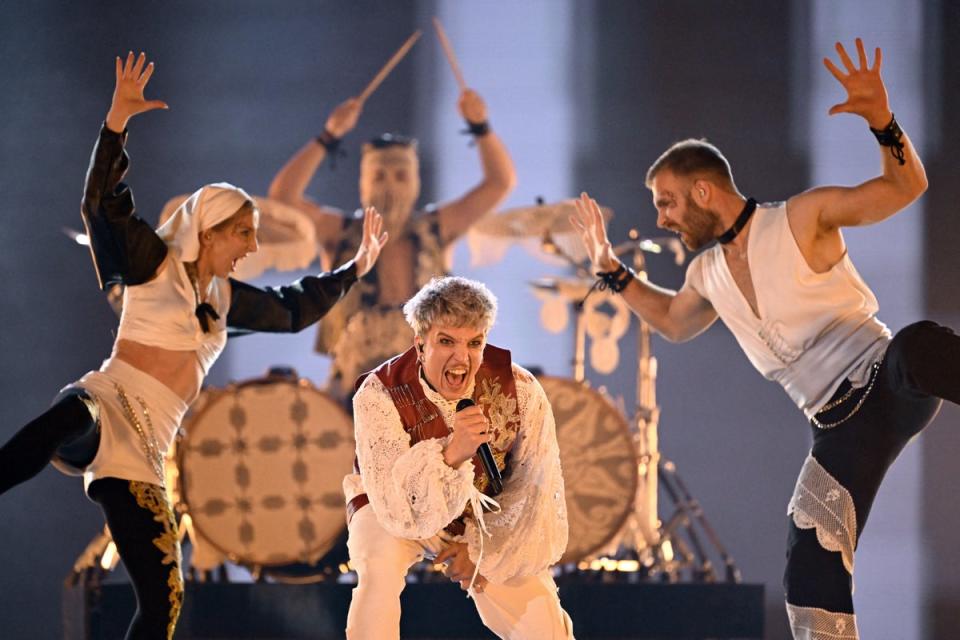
x,y
486,457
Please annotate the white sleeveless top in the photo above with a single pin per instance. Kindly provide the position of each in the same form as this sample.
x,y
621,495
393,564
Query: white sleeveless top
x,y
161,313
814,329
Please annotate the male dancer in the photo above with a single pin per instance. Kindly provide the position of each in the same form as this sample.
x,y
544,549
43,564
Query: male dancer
x,y
781,280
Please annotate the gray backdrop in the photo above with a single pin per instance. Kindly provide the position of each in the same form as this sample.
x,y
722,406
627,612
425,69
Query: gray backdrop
x,y
249,82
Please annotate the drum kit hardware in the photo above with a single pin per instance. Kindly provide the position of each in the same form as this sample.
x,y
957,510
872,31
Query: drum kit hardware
x,y
255,474
543,229
613,469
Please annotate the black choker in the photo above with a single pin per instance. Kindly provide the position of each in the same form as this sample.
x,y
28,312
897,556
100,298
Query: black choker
x,y
739,223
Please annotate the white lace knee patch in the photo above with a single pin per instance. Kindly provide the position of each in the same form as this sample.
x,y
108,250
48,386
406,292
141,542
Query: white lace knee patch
x,y
820,502
810,623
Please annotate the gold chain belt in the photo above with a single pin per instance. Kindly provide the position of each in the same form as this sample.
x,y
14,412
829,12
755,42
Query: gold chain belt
x,y
151,448
836,403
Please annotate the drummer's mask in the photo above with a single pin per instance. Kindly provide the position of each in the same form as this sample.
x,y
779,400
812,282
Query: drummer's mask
x,y
390,179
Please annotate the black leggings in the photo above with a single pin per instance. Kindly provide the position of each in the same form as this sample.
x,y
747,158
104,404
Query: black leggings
x,y
66,429
145,532
138,514
921,367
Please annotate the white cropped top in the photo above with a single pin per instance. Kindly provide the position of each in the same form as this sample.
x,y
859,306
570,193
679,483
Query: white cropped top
x,y
814,329
161,313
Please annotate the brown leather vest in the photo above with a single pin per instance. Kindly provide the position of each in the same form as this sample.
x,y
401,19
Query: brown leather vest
x,y
495,392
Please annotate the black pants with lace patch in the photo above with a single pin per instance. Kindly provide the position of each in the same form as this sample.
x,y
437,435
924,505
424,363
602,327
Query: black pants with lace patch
x,y
921,367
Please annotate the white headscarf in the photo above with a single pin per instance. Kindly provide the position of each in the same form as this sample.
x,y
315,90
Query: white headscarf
x,y
205,208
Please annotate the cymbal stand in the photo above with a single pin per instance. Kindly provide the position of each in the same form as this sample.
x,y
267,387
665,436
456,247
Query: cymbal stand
x,y
579,321
658,547
579,341
698,560
692,510
642,535
663,549
669,552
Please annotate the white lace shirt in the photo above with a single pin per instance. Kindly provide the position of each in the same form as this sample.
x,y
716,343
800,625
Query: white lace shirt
x,y
414,493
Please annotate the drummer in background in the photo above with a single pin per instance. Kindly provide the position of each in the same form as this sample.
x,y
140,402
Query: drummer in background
x,y
114,426
369,325
417,491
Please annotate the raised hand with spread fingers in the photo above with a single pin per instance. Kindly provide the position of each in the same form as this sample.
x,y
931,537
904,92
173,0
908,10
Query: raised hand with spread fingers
x,y
866,93
589,223
374,237
133,74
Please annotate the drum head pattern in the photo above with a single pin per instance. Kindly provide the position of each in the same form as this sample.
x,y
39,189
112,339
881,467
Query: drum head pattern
x,y
599,465
261,470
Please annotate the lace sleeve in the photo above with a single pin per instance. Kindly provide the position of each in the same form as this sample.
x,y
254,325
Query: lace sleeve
x,y
413,492
530,532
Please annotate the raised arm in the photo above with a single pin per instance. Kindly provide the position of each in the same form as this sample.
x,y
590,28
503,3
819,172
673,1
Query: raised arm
x,y
294,307
128,99
676,315
499,176
125,249
902,180
290,183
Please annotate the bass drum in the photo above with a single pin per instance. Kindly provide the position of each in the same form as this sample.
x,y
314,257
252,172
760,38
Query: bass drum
x,y
260,470
599,465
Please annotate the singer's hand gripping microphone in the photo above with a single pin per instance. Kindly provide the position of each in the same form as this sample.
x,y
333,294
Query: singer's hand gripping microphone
x,y
486,457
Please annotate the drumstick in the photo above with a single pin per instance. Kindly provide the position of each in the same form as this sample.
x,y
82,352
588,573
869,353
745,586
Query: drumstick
x,y
448,51
387,68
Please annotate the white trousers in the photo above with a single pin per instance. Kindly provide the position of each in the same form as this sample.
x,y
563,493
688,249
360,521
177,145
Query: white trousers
x,y
526,608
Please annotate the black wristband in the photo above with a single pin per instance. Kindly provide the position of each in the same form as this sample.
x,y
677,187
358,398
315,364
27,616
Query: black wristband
x,y
617,280
477,129
331,143
891,136
328,141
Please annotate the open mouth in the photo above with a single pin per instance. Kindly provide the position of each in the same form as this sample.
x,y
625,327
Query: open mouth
x,y
455,377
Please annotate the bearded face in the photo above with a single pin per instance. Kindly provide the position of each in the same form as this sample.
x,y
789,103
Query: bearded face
x,y
390,181
701,225
678,212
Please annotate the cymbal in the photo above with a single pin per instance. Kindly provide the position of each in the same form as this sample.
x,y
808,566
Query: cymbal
x,y
573,289
653,245
535,221
287,237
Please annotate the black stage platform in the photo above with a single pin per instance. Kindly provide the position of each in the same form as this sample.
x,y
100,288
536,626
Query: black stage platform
x,y
437,610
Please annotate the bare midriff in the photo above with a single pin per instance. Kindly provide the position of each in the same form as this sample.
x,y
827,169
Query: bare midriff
x,y
180,371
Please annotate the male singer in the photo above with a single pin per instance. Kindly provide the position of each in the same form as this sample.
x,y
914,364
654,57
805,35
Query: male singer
x,y
419,487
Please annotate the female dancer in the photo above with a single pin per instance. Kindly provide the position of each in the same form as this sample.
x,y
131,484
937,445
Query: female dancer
x,y
115,425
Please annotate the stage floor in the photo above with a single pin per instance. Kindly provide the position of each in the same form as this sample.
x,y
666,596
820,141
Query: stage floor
x,y
433,611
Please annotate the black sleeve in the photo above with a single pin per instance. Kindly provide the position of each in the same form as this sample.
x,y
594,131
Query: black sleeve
x,y
126,250
287,309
